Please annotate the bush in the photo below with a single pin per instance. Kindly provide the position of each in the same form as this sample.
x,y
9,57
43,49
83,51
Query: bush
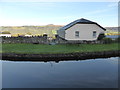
x,y
107,40
101,36
6,32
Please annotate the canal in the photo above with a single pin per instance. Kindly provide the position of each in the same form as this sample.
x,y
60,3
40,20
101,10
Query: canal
x,y
91,73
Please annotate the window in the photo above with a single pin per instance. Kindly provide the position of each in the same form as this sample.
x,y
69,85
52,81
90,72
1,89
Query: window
x,y
77,34
94,34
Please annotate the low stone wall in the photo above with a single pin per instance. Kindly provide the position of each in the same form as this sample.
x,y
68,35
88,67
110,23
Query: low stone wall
x,y
35,40
41,40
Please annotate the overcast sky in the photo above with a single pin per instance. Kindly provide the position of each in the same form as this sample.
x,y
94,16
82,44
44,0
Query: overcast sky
x,y
58,13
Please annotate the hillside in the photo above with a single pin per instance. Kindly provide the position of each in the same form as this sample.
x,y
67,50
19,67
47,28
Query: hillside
x,y
112,31
40,30
33,30
112,28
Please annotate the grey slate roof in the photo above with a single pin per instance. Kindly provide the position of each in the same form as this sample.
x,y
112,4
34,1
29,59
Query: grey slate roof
x,y
80,21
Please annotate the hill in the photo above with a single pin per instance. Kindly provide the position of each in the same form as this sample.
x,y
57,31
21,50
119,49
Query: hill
x,y
33,30
50,30
112,28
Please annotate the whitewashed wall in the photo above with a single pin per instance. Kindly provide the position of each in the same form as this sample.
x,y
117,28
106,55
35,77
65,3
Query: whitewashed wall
x,y
85,32
5,35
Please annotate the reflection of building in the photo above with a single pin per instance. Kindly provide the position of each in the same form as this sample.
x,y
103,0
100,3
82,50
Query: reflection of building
x,y
81,29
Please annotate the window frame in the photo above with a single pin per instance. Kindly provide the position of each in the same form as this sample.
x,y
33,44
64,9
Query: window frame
x,y
77,34
94,34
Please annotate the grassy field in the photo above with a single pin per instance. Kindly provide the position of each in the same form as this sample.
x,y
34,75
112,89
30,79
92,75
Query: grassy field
x,y
43,49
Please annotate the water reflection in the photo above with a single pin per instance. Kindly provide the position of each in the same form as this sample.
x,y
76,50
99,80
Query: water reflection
x,y
97,73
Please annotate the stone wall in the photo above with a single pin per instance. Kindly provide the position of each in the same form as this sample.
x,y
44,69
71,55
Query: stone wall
x,y
34,40
41,40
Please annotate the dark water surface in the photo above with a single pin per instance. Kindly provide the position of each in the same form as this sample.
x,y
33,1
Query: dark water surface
x,y
92,73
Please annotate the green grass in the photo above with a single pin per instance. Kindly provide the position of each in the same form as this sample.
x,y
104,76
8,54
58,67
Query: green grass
x,y
43,49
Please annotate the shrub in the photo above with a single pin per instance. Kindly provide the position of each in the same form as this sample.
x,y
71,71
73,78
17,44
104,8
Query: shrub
x,y
6,32
107,40
101,36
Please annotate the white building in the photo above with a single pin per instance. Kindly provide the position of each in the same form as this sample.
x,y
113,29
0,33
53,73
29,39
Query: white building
x,y
27,35
81,29
5,35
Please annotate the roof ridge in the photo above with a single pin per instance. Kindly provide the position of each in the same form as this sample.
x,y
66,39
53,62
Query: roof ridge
x,y
82,21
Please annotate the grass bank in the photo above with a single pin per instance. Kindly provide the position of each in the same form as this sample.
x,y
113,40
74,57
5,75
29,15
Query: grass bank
x,y
56,49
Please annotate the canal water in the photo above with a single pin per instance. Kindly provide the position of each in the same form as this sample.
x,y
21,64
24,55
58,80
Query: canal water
x,y
91,73
113,36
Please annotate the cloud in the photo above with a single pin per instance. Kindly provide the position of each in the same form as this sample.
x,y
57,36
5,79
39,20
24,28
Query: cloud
x,y
113,5
28,4
97,11
108,8
48,4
